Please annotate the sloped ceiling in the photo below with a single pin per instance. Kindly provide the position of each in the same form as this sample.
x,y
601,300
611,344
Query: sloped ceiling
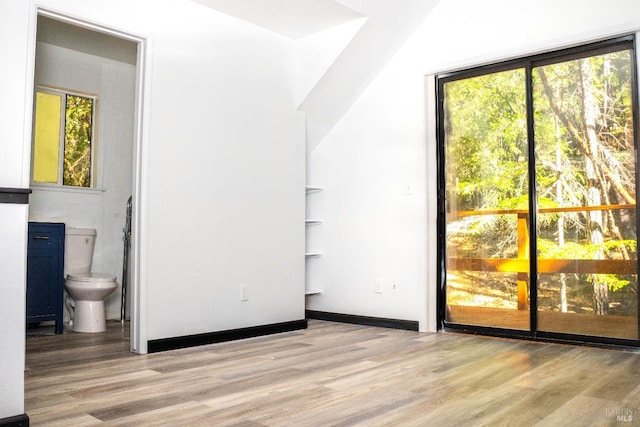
x,y
291,18
387,26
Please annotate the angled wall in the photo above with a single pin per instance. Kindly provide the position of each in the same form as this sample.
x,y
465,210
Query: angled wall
x,y
378,166
385,30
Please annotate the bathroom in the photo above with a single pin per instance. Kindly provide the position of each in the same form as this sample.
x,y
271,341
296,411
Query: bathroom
x,y
78,60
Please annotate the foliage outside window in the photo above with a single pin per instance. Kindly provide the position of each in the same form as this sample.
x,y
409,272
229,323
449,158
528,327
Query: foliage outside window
x,y
63,138
564,123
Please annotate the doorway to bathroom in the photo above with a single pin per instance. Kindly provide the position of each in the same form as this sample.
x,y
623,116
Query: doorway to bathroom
x,y
78,60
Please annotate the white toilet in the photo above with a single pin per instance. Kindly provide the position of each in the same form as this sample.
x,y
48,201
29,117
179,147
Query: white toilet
x,y
87,289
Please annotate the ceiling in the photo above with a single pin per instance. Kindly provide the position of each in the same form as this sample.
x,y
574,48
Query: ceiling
x,y
291,18
73,37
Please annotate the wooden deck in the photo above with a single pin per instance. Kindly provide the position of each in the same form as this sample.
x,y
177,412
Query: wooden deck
x,y
521,264
625,327
329,375
518,265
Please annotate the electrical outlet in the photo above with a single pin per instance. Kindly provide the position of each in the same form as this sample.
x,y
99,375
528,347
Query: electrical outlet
x,y
377,287
244,291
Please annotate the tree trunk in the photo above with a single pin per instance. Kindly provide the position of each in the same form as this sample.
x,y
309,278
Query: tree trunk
x,y
559,197
576,135
595,223
560,200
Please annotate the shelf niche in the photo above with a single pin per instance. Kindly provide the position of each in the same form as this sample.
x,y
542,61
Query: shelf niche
x,y
310,222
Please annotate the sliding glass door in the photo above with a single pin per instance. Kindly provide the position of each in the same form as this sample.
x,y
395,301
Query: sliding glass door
x,y
586,210
487,200
537,156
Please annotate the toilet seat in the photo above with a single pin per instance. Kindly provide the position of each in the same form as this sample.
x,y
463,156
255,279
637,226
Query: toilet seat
x,y
91,277
88,291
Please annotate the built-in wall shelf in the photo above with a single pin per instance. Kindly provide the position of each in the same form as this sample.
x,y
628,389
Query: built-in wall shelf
x,y
309,189
313,254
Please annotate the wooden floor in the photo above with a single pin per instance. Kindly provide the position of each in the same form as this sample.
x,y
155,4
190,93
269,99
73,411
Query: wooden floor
x,y
330,375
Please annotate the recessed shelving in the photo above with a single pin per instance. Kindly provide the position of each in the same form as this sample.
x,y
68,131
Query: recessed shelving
x,y
310,222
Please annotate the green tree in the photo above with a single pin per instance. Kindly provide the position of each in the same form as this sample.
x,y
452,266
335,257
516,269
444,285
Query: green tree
x,y
588,101
584,140
77,141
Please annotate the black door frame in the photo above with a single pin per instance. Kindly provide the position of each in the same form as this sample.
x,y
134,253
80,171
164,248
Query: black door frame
x,y
527,63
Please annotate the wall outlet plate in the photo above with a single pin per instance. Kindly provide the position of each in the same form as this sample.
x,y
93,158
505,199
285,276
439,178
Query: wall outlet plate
x,y
377,286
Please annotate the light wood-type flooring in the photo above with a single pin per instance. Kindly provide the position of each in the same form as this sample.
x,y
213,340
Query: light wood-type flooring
x,y
331,374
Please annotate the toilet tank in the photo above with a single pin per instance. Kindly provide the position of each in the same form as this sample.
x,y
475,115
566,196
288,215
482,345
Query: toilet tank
x,y
78,249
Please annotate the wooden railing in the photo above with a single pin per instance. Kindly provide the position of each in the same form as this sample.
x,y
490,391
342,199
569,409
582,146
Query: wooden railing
x,y
521,263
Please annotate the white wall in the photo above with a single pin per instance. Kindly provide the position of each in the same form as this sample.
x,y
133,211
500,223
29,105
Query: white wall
x,y
15,38
14,115
226,196
223,194
381,148
372,169
225,169
13,253
114,84
222,197
316,52
384,31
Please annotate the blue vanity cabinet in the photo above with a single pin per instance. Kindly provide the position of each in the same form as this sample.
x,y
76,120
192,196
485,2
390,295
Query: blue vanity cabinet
x,y
45,273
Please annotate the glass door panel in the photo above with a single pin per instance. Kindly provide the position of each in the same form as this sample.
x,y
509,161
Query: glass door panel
x,y
486,184
586,196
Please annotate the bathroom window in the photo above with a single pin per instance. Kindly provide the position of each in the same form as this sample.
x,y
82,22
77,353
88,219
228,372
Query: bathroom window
x,y
63,144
